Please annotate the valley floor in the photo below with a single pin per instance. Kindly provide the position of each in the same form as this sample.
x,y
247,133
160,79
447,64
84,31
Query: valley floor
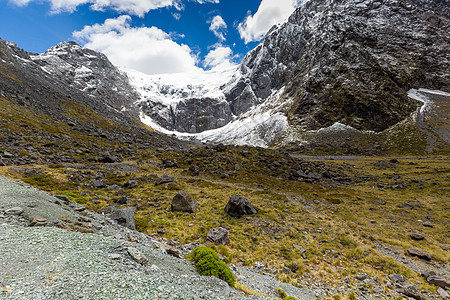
x,y
340,226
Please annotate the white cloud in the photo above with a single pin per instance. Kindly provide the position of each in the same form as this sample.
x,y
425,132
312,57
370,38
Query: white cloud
x,y
132,7
146,49
269,13
218,27
219,58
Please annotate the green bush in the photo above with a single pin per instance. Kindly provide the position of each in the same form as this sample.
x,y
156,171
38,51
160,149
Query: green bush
x,y
208,263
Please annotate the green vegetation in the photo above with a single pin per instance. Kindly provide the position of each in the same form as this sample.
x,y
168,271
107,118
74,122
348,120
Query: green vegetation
x,y
208,263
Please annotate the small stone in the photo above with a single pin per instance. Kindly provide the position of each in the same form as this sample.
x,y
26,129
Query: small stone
x,y
416,236
218,236
172,251
63,198
15,211
130,184
293,267
114,256
164,179
38,222
286,270
362,276
160,231
380,202
396,278
428,224
154,268
418,253
442,293
137,256
254,238
299,248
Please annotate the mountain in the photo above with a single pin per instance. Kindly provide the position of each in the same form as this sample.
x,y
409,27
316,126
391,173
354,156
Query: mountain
x,y
332,62
69,104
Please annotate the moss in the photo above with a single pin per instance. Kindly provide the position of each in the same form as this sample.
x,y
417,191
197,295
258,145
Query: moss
x,y
208,263
282,294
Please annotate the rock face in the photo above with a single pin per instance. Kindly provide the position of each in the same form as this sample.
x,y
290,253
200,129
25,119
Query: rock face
x,y
218,236
183,202
124,217
239,206
332,61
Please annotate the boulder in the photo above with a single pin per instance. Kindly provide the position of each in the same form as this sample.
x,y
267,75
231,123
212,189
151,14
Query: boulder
x,y
183,202
442,293
238,206
99,183
218,236
418,253
439,281
124,217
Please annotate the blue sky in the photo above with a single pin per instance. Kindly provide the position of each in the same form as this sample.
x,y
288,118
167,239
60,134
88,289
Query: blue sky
x,y
153,36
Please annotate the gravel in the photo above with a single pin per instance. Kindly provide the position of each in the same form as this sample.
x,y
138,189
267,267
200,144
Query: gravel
x,y
54,263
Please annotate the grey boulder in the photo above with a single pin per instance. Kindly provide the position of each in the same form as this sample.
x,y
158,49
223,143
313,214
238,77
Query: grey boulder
x,y
124,217
239,206
183,202
218,236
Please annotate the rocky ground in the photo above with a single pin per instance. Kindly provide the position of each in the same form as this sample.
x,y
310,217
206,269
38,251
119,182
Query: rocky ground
x,y
52,248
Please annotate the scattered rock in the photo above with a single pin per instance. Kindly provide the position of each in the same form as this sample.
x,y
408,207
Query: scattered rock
x,y
218,236
160,231
107,158
411,290
419,254
130,184
137,256
114,256
194,169
172,251
396,278
122,200
124,217
164,179
15,211
238,206
6,154
65,199
439,281
286,270
444,248
183,202
362,276
416,236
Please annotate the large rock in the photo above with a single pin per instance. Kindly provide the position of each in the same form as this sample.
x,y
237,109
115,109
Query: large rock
x,y
238,206
411,290
419,254
164,179
439,281
124,217
218,236
183,202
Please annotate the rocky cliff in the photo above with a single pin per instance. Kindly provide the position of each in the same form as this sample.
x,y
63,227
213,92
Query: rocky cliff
x,y
350,62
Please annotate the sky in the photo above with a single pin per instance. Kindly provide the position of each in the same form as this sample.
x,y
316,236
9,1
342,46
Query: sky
x,y
151,36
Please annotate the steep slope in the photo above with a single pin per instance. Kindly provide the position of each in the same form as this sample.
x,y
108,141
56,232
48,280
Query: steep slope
x,y
332,62
44,119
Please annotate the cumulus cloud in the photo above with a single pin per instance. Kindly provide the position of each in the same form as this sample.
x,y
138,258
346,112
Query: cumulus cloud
x,y
132,7
219,58
146,49
218,27
269,13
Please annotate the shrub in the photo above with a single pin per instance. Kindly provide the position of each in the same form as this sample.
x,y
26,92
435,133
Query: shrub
x,y
208,263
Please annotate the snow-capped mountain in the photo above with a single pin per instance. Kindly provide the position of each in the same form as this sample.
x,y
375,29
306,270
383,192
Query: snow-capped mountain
x,y
333,62
89,72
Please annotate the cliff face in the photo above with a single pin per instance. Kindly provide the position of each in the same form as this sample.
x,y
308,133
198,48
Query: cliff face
x,y
350,62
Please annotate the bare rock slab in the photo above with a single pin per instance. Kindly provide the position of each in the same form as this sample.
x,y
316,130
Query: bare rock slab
x,y
183,202
239,206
